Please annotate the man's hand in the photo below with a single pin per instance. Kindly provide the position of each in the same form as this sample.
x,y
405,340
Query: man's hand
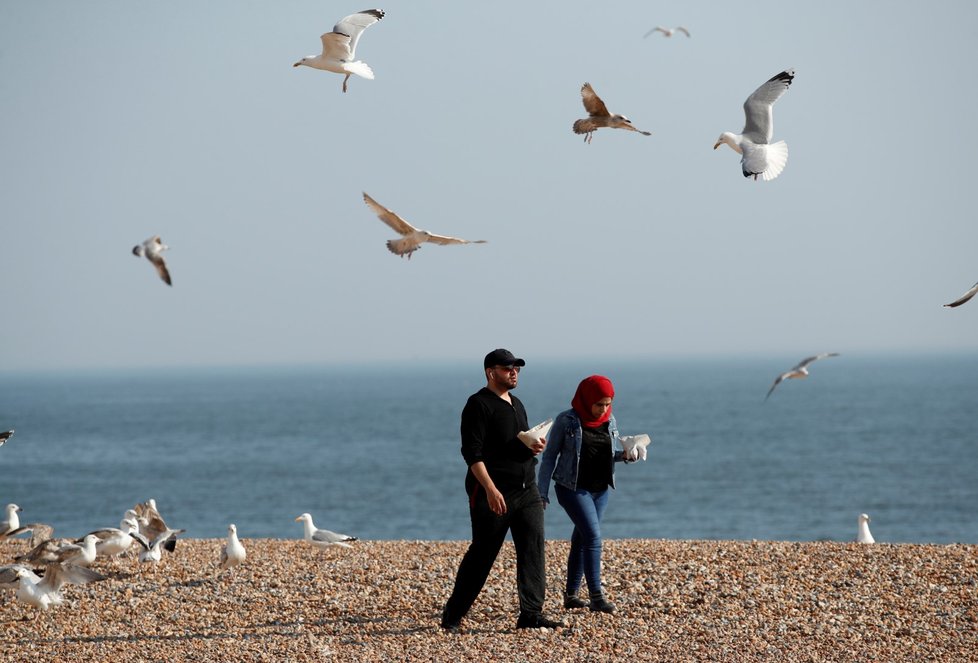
x,y
497,503
539,445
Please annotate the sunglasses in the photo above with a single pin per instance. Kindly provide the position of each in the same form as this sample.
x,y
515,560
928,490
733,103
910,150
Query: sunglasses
x,y
509,369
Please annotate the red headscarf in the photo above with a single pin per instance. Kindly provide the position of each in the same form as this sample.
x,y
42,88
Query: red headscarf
x,y
591,390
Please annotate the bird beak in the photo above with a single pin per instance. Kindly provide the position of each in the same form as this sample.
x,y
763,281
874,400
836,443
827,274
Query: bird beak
x,y
719,142
297,64
298,519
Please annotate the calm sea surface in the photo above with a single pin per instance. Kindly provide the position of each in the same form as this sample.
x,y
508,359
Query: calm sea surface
x,y
374,452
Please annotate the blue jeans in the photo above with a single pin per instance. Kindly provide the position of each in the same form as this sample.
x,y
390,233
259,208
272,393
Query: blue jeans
x,y
585,510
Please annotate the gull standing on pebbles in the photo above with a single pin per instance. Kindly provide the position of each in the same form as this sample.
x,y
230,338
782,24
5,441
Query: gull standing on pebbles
x,y
759,155
42,593
11,526
413,238
232,553
112,541
799,371
59,551
6,435
598,116
340,45
153,249
323,538
957,302
667,32
864,535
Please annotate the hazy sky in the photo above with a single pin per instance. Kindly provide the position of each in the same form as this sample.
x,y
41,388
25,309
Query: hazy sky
x,y
120,120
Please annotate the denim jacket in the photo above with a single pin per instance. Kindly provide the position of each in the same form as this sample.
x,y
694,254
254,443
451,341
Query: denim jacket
x,y
563,453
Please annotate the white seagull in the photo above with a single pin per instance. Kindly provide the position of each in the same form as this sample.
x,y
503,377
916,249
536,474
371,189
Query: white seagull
x,y
799,371
6,435
11,525
113,541
598,116
340,45
412,238
323,538
232,552
42,593
864,535
760,157
667,32
152,249
957,302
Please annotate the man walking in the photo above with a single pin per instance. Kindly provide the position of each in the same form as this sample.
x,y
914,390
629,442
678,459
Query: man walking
x,y
503,496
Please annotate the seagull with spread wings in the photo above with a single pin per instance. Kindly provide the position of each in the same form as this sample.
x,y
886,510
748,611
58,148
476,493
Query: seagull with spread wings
x,y
152,249
340,45
412,238
759,156
598,116
799,371
667,32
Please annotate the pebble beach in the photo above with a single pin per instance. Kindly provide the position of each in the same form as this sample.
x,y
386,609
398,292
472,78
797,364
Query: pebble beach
x,y
381,601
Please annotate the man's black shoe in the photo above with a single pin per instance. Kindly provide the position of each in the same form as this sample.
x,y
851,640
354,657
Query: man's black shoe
x,y
536,620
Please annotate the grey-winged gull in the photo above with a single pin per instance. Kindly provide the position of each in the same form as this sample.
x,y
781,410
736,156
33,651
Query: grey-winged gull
x,y
412,238
232,552
799,371
113,541
760,157
340,45
322,538
599,116
152,249
667,32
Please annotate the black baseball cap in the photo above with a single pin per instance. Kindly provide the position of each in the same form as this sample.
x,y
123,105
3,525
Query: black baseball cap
x,y
501,357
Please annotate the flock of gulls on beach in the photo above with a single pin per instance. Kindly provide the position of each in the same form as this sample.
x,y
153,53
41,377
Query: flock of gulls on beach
x,y
39,574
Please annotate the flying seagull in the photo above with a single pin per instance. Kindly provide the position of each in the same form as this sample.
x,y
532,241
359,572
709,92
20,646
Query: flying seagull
x,y
598,116
957,302
232,552
864,535
340,45
6,435
760,157
153,249
323,538
667,32
799,371
413,238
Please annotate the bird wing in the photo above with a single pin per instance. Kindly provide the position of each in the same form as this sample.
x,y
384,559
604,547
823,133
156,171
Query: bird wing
x,y
808,360
592,102
160,265
353,25
957,302
759,127
683,30
443,240
325,536
776,383
336,46
657,28
58,575
399,225
6,435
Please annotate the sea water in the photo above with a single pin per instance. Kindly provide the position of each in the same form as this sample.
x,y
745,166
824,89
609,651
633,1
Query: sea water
x,y
374,451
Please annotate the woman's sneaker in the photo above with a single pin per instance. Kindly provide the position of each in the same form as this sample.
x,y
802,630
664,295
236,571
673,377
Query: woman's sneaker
x,y
572,601
600,604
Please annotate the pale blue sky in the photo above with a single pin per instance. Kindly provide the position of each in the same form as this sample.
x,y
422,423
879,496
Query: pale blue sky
x,y
120,120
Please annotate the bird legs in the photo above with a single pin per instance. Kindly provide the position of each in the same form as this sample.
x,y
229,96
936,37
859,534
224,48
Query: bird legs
x,y
345,80
587,137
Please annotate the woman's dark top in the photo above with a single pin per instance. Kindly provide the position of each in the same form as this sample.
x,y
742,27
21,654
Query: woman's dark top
x,y
594,470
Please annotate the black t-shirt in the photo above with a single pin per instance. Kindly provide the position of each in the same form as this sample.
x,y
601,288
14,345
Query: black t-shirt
x,y
594,469
489,428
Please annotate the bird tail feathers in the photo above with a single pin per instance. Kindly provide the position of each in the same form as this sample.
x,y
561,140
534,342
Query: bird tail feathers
x,y
359,68
777,157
